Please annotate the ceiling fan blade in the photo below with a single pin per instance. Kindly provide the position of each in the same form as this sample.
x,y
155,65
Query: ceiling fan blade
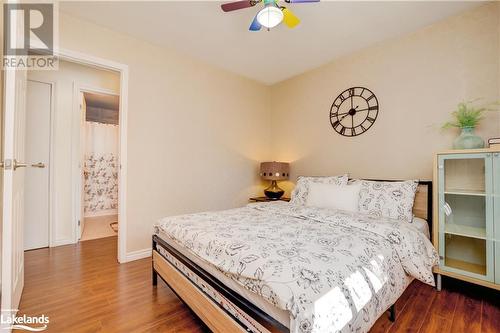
x,y
228,7
289,18
301,1
255,26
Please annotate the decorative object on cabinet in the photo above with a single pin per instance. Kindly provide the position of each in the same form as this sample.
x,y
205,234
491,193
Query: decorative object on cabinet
x,y
493,142
274,171
468,139
467,215
354,111
467,118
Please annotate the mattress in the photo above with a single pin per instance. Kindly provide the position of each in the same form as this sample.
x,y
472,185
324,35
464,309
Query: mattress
x,y
280,315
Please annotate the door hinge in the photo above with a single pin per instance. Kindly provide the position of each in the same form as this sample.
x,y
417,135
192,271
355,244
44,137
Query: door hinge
x,y
78,222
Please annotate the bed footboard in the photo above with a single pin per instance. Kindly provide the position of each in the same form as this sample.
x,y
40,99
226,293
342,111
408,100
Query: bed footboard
x,y
216,319
212,304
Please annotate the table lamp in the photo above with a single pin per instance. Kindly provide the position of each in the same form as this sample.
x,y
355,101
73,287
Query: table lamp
x,y
274,171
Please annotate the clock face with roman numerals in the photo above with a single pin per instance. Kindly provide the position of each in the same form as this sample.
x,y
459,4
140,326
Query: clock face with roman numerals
x,y
354,111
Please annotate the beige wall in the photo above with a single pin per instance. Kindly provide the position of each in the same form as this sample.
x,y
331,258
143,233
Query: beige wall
x,y
418,79
68,75
196,134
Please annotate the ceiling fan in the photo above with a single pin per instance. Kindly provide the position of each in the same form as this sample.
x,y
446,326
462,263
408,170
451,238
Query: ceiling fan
x,y
270,16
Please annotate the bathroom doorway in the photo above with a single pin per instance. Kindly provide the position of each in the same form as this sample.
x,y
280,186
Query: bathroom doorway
x,y
99,153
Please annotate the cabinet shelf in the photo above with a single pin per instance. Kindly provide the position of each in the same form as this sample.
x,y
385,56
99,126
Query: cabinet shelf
x,y
465,230
479,193
465,266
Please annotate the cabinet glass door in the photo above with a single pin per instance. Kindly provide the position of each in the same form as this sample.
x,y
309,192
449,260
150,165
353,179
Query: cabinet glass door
x,y
466,214
496,224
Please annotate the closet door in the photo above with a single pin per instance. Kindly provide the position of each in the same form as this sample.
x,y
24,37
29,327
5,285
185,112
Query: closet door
x,y
466,215
496,224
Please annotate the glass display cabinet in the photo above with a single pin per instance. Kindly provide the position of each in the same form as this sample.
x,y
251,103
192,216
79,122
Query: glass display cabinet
x,y
467,230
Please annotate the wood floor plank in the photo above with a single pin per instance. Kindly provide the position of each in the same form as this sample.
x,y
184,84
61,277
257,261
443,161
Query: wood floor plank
x,y
439,317
468,314
83,289
490,322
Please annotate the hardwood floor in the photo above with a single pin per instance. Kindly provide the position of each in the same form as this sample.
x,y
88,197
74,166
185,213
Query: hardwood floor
x,y
82,288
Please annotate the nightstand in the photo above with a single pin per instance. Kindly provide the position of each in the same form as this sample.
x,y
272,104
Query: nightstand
x,y
266,199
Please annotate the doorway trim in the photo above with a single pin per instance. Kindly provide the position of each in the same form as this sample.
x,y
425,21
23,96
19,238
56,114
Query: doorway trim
x,y
122,69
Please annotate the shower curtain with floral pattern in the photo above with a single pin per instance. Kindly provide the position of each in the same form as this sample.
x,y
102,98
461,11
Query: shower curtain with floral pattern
x,y
101,169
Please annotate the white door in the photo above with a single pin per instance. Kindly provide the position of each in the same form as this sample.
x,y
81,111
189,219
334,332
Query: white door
x,y
13,189
36,213
83,140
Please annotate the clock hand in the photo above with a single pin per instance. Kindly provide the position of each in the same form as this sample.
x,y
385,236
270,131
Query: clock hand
x,y
343,117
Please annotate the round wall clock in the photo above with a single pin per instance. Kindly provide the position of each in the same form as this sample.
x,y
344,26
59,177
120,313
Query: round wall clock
x,y
354,111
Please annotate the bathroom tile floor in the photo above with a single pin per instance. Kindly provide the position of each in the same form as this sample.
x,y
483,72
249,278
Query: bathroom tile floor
x,y
98,227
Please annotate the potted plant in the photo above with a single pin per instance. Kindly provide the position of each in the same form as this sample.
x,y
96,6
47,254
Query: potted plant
x,y
467,118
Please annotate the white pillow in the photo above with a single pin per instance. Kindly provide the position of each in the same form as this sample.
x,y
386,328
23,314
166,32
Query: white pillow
x,y
343,197
301,190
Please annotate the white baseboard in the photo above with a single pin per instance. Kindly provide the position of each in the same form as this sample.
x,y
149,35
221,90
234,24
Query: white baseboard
x,y
60,242
140,254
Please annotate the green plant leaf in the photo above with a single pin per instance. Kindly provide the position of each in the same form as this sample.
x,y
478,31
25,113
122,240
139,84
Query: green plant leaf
x,y
467,115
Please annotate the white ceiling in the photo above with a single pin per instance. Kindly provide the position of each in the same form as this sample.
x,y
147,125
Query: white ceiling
x,y
329,29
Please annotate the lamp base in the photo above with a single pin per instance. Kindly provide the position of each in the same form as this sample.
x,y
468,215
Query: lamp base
x,y
273,192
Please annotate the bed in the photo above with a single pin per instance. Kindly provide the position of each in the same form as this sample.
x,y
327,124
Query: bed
x,y
276,267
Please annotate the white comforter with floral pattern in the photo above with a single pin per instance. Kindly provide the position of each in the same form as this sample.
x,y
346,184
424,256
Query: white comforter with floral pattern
x,y
334,271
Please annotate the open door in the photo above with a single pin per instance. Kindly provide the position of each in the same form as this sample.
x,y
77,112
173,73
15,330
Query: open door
x,y
81,219
14,107
13,188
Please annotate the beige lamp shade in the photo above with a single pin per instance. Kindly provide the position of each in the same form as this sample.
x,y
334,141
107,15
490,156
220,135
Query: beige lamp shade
x,y
274,170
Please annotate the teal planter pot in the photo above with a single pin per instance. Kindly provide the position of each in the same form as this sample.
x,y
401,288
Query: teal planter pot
x,y
468,140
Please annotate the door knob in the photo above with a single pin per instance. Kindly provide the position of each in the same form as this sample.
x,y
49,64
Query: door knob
x,y
16,164
38,165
